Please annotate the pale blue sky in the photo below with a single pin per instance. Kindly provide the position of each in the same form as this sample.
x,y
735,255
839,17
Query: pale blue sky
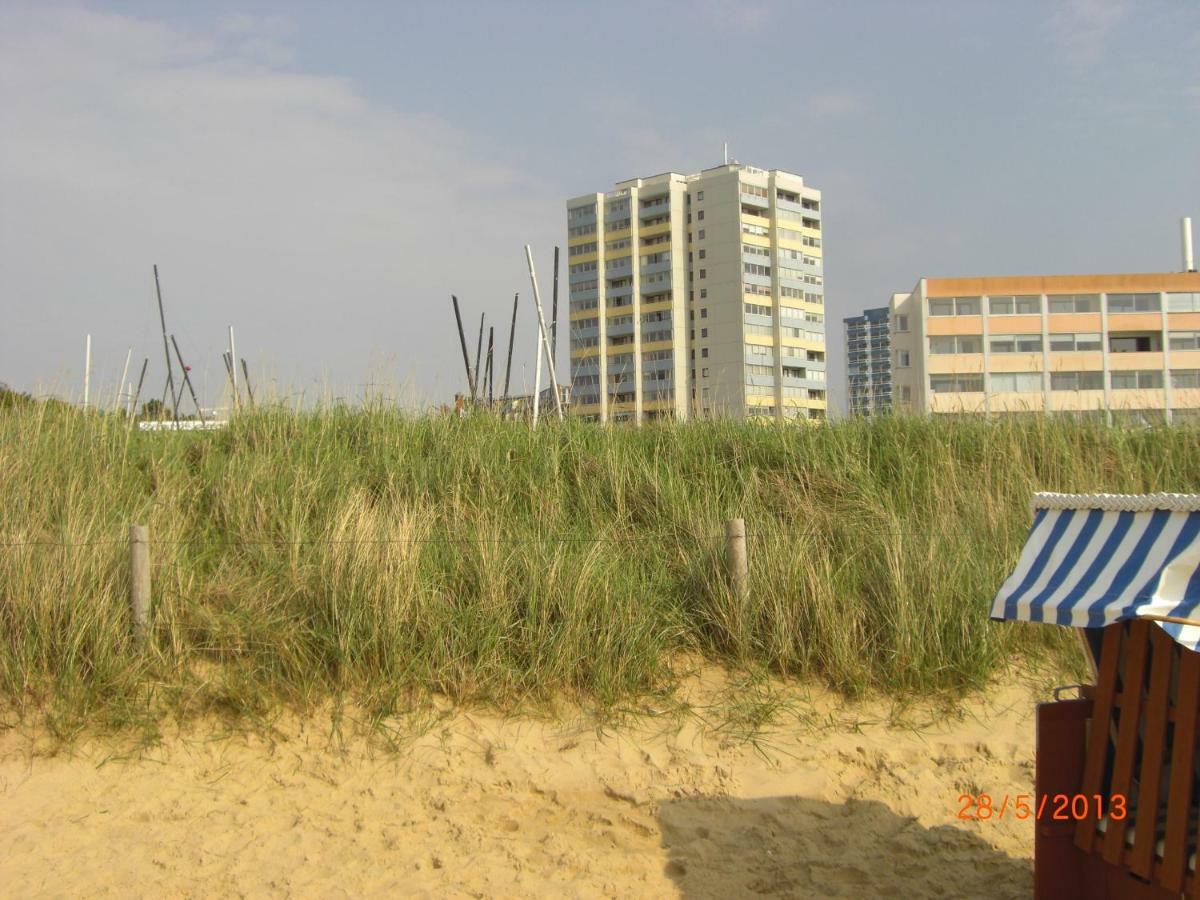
x,y
324,176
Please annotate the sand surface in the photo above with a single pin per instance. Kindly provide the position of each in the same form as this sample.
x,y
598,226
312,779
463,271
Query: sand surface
x,y
834,802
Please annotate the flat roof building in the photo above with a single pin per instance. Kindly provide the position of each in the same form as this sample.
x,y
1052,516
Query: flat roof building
x,y
869,362
698,295
1124,345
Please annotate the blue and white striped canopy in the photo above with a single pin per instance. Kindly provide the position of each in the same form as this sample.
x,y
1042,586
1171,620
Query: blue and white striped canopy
x,y
1094,559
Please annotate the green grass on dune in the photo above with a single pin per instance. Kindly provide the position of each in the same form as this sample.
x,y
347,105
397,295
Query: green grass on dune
x,y
365,555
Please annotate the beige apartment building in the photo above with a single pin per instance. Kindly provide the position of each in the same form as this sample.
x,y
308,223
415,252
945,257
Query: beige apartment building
x,y
1113,345
698,295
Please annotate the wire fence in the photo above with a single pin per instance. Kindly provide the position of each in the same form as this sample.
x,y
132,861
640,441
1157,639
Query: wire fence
x,y
290,542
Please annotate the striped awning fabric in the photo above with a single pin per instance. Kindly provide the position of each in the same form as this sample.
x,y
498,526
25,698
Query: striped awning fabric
x,y
1094,559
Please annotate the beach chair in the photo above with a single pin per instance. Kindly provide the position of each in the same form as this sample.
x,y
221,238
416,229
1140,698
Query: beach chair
x,y
1116,786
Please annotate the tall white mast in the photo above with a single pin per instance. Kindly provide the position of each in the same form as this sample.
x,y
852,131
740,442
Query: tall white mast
x,y
543,344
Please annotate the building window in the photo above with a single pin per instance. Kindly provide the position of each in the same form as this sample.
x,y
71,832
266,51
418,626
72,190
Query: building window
x,y
1185,378
1123,303
703,332
902,323
1015,343
1016,382
963,343
1149,379
703,293
1183,302
1074,303
703,273
1068,342
703,309
1015,306
699,195
703,254
704,353
1185,340
905,393
1076,381
902,359
701,234
700,216
704,372
954,306
954,384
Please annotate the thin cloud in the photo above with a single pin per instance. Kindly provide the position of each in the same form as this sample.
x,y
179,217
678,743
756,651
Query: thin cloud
x,y
1081,28
837,104
744,16
327,226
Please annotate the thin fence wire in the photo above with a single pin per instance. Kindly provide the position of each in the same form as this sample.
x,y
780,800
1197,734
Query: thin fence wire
x,y
282,542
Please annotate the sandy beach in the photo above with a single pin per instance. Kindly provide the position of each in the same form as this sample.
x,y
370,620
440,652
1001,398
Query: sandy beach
x,y
835,802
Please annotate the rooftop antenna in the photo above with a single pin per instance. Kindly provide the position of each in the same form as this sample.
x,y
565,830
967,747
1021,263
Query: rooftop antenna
x,y
727,153
1185,229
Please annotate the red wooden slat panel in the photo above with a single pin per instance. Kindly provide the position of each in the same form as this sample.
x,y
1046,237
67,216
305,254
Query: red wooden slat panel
x,y
1133,678
1183,755
1165,651
1098,730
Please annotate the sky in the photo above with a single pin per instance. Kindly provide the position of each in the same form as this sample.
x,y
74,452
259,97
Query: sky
x,y
324,176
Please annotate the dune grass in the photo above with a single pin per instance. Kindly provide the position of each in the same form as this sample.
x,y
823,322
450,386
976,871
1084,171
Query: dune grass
x,y
374,557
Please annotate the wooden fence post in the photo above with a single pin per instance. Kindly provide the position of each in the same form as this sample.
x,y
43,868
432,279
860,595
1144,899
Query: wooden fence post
x,y
735,555
139,579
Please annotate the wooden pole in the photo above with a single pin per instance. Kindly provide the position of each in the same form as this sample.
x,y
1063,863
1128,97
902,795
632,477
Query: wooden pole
x,y
512,333
139,579
166,348
735,555
478,356
237,395
249,390
554,316
491,374
132,412
187,380
462,339
228,360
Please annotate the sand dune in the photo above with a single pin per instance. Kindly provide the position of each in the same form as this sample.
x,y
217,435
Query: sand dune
x,y
480,806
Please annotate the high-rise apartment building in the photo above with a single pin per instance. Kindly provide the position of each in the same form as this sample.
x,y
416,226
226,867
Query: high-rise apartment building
x,y
1106,344
869,362
698,295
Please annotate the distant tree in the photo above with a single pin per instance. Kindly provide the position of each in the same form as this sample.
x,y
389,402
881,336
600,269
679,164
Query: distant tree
x,y
10,399
153,410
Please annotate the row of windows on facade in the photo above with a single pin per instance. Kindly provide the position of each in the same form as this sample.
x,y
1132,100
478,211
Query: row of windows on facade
x,y
621,208
1031,304
754,190
782,272
1031,382
785,234
785,312
650,296
1118,342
